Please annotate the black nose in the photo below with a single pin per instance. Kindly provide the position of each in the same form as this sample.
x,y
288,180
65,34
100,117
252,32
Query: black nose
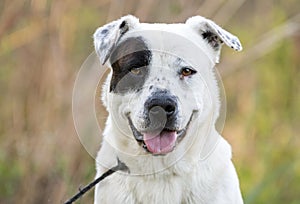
x,y
162,100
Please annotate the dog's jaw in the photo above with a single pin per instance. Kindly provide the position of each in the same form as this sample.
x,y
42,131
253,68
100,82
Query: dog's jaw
x,y
149,147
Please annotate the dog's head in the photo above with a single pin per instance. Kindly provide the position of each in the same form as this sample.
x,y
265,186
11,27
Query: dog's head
x,y
162,78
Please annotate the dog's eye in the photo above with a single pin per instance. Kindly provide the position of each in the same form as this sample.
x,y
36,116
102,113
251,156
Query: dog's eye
x,y
186,71
135,71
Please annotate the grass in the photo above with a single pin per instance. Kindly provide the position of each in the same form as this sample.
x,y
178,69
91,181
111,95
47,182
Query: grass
x,y
43,44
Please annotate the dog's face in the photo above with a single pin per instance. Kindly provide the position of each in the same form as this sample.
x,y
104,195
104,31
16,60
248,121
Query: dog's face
x,y
162,78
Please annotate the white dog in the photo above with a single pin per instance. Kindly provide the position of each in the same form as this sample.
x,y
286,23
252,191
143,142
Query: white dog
x,y
163,102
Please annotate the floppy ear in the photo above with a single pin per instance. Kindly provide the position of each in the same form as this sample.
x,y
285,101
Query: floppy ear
x,y
107,36
214,34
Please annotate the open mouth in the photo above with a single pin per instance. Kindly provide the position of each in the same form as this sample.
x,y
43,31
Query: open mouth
x,y
159,143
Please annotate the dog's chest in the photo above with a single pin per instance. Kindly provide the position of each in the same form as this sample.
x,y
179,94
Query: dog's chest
x,y
164,189
157,190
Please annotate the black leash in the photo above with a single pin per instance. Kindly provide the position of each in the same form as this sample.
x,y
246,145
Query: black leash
x,y
120,167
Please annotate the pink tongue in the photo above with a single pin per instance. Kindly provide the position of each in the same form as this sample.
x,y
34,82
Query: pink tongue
x,y
160,143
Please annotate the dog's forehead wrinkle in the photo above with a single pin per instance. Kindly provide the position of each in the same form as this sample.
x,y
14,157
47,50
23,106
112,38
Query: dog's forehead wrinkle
x,y
178,62
165,62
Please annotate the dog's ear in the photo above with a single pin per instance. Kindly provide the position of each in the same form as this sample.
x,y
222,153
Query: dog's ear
x,y
107,36
214,34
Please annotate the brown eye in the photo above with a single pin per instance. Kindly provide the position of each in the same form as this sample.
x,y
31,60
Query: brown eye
x,y
135,71
185,71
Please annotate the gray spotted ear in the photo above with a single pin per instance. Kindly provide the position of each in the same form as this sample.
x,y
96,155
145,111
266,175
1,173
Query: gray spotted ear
x,y
214,34
107,36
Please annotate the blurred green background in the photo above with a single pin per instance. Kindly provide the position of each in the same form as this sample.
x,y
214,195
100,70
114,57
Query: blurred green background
x,y
44,43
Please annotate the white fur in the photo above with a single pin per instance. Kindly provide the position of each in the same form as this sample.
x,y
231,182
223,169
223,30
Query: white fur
x,y
188,174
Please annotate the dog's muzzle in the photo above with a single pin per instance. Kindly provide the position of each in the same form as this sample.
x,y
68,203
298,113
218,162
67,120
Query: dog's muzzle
x,y
162,131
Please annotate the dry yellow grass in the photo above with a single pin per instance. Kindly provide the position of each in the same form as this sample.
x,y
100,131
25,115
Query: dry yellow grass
x,y
44,43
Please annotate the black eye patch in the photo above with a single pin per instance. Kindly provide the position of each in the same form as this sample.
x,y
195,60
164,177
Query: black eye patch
x,y
131,54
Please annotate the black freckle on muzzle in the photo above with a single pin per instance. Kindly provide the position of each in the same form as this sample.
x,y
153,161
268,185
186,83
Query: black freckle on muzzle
x,y
161,111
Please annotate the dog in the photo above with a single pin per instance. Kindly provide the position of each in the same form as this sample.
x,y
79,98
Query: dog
x,y
163,101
